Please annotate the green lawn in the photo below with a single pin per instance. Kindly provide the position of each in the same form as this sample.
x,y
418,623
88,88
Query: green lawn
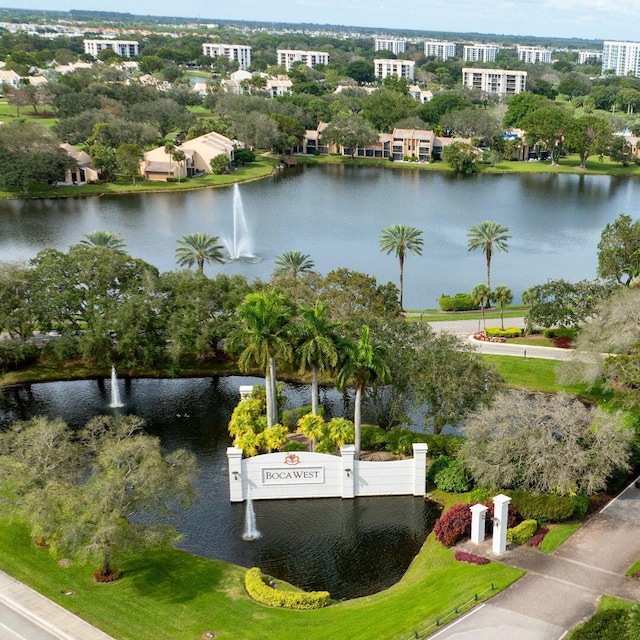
x,y
558,535
174,595
9,112
432,315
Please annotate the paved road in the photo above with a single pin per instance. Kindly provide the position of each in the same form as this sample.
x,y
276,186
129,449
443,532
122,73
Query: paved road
x,y
15,626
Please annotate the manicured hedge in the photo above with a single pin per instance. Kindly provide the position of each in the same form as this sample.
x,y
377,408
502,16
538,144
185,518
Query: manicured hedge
x,y
459,302
260,591
610,624
523,532
509,332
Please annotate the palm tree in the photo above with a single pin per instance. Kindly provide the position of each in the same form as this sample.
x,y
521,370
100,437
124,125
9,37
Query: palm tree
x,y
178,155
169,148
313,427
341,431
198,248
401,239
293,264
481,294
363,365
105,239
263,336
273,438
503,296
488,237
530,297
317,347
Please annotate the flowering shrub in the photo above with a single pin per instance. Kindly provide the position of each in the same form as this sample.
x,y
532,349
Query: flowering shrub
x,y
463,556
453,525
484,338
537,539
562,342
101,576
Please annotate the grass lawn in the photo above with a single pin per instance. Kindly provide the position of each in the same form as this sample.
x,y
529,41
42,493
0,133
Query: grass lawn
x,y
635,567
558,535
432,315
9,112
174,595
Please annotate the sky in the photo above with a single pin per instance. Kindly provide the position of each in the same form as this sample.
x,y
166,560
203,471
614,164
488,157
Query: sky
x,y
592,19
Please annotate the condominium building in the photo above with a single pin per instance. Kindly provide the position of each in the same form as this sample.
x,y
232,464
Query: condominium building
x,y
586,56
534,55
124,48
400,68
623,58
287,57
239,53
395,46
495,81
480,52
439,49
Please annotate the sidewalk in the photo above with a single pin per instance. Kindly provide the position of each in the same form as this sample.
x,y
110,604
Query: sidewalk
x,y
48,615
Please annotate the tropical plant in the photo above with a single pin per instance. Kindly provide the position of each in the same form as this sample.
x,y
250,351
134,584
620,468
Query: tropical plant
x,y
481,294
317,345
341,431
363,365
199,248
178,155
401,239
502,296
273,438
106,239
488,237
263,336
169,148
292,264
313,427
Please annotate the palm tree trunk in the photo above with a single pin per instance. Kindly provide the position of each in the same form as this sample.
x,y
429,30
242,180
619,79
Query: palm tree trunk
x,y
314,390
273,418
401,259
357,421
269,399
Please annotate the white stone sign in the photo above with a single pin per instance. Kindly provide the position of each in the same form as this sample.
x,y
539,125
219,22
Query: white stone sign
x,y
289,476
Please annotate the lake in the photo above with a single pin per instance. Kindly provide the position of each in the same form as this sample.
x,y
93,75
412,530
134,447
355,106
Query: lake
x,y
335,214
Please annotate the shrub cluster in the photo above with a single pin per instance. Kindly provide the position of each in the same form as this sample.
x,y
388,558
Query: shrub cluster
x,y
523,532
562,342
290,417
509,332
485,338
459,302
537,539
561,332
610,624
15,354
449,474
471,558
258,589
453,525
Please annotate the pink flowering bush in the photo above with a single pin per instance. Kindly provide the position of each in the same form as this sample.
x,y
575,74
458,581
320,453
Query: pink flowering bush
x,y
536,540
471,558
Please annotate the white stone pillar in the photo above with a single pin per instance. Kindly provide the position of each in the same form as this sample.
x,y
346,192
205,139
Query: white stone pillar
x,y
349,470
420,468
500,523
478,517
234,458
245,391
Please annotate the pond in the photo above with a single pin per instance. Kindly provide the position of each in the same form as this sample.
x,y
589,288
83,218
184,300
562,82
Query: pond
x,y
349,547
335,213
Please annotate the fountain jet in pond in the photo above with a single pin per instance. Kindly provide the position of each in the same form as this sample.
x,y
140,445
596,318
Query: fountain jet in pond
x,y
115,392
250,530
240,246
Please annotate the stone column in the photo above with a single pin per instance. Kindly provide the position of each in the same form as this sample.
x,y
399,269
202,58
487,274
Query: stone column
x,y
245,391
349,471
478,516
420,468
234,458
500,523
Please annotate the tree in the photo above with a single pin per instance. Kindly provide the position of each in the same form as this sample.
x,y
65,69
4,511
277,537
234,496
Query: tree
x,y
472,122
520,106
178,155
587,135
106,239
128,158
198,249
401,239
96,493
620,150
547,125
361,71
263,336
317,345
312,426
481,295
571,87
619,251
163,113
488,237
384,108
503,296
546,443
363,365
219,164
292,264
461,157
349,131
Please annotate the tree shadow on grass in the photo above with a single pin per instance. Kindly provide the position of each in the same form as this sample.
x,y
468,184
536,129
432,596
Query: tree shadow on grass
x,y
173,576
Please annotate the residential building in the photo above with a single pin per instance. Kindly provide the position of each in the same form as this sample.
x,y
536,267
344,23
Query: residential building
x,y
287,57
124,48
495,81
421,95
279,86
73,66
159,165
587,56
480,52
621,58
400,68
439,49
9,78
84,171
390,44
239,53
534,55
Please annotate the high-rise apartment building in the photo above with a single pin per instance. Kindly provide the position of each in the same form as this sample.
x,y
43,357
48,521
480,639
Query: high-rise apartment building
x,y
623,58
390,44
439,49
287,57
534,55
124,48
239,53
480,52
503,82
400,68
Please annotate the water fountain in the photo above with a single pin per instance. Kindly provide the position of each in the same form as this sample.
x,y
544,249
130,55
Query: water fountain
x,y
250,530
115,392
240,245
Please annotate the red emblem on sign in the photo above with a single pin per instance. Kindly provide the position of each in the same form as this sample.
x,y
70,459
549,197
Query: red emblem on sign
x,y
292,459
